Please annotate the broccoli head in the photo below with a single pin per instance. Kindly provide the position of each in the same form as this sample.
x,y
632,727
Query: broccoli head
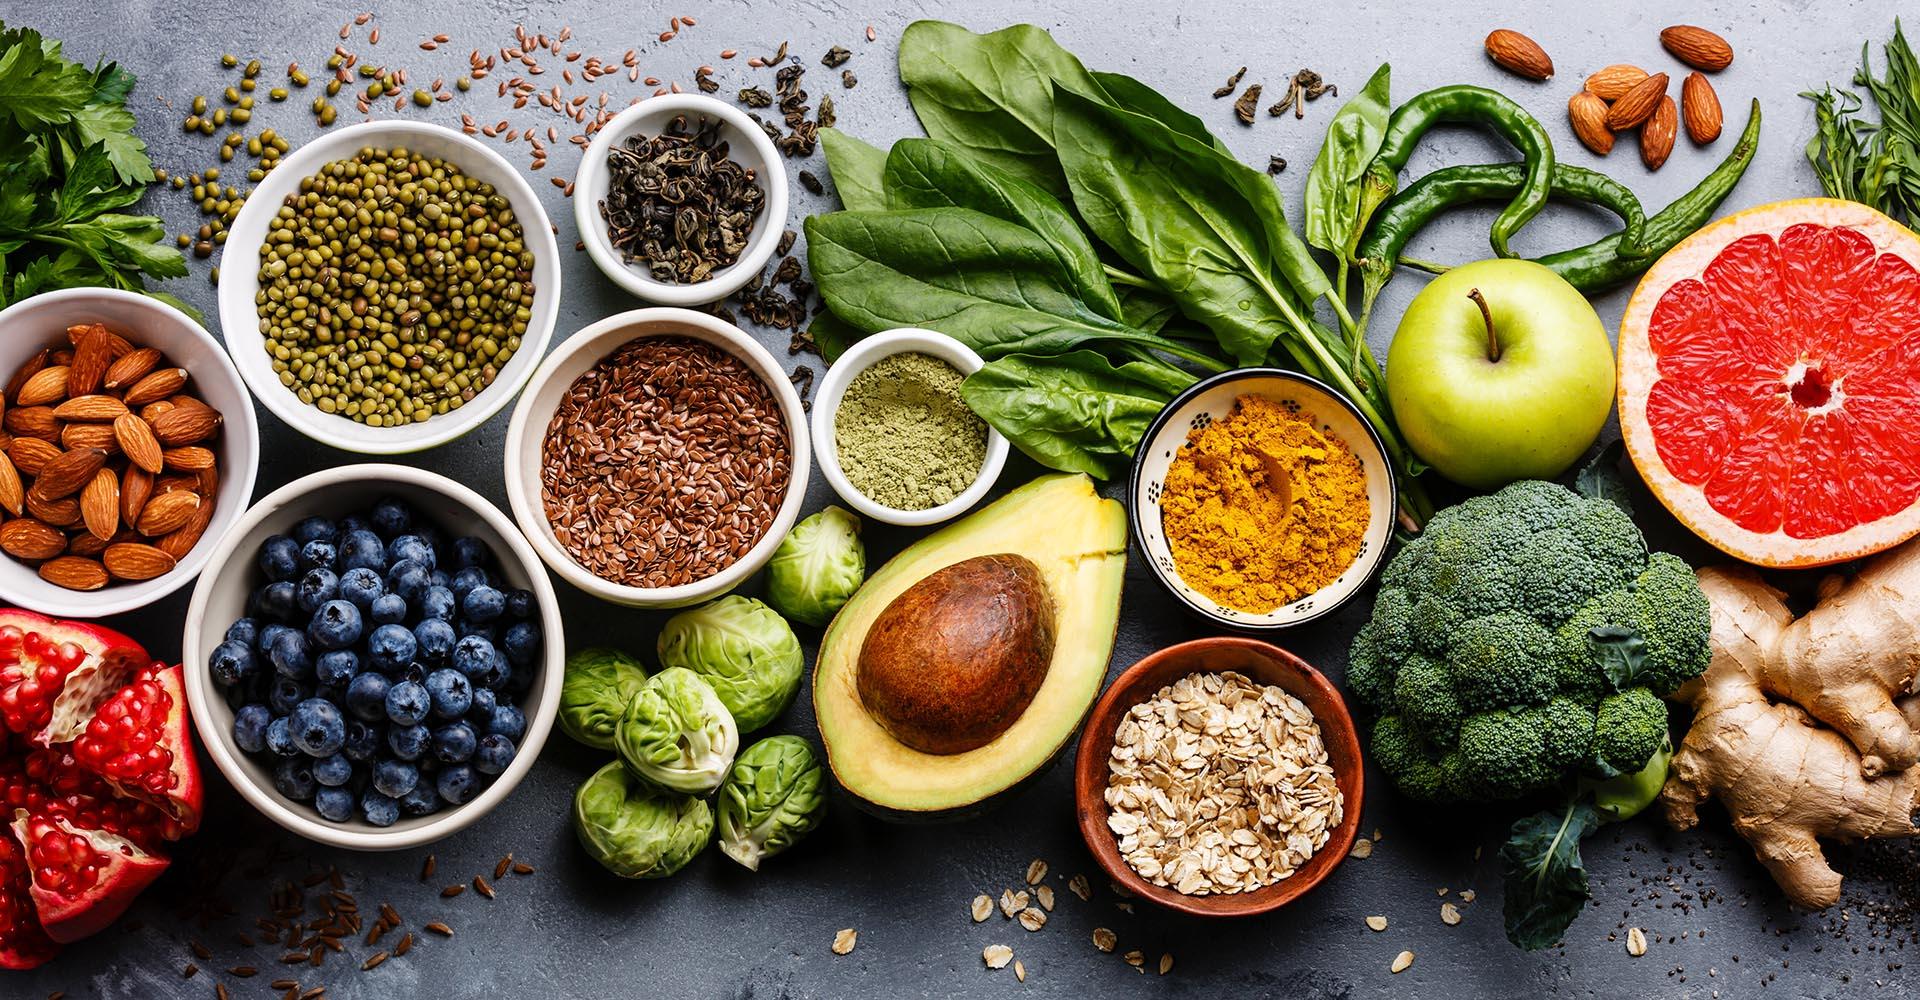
x,y
1629,728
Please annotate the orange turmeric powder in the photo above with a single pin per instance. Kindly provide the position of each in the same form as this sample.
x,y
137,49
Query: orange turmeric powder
x,y
1251,543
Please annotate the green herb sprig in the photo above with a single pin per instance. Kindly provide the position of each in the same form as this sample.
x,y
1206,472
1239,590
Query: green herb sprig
x,y
1874,163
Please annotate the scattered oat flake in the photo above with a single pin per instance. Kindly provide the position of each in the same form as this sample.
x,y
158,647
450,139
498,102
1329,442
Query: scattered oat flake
x,y
843,942
1401,962
1019,970
1362,849
1636,942
1079,886
1036,871
1441,890
1466,895
1033,919
1377,923
1044,893
1377,835
1166,963
996,956
1136,958
982,907
1104,939
1012,902
1449,914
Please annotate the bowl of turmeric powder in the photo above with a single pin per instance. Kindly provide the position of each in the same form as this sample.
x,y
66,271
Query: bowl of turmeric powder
x,y
1262,499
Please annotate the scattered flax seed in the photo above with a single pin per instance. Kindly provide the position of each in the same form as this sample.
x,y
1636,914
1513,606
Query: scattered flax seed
x,y
1019,970
199,950
220,991
1036,871
1104,939
441,929
844,941
1636,942
1033,919
996,956
1449,914
870,34
729,53
405,945
285,984
1166,963
982,907
1044,893
1401,962
500,869
373,960
1377,923
190,971
480,886
1362,848
1079,886
426,869
243,971
451,891
522,868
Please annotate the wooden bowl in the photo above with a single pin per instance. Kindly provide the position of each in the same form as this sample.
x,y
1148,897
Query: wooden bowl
x,y
1264,664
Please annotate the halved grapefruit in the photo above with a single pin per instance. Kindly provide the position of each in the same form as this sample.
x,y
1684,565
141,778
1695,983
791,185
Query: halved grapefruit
x,y
1770,382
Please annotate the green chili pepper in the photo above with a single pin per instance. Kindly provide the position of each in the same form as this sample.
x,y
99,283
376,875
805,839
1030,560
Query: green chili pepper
x,y
1451,187
1468,104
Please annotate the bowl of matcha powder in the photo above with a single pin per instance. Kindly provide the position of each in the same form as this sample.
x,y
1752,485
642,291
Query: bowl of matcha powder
x,y
893,436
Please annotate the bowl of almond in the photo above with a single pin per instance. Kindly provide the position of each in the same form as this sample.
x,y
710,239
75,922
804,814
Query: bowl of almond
x,y
127,448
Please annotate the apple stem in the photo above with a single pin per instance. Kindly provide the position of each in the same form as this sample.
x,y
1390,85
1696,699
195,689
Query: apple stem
x,y
1493,339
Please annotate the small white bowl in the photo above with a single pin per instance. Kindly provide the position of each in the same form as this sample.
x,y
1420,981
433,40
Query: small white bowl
x,y
1212,398
240,282
527,431
746,145
42,321
221,597
826,403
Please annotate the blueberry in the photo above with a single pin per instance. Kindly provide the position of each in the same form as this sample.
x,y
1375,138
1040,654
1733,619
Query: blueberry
x,y
508,721
410,548
291,655
277,600
319,555
337,668
392,647
521,643
232,661
264,643
421,800
319,729
498,673
408,703
451,693
470,551
243,631
491,632
286,693
316,588
458,784
367,696
294,779
336,625
483,604
379,810
409,742
362,586
392,517
473,656
439,578
467,579
517,683
454,742
363,550
394,777
493,754
435,640
408,579
280,558
484,702
388,609
520,603
314,529
333,771
250,727
363,741
352,523
439,602
279,738
334,805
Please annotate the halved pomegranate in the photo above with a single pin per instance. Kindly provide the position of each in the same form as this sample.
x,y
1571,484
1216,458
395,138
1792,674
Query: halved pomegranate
x,y
54,674
82,880
137,741
23,942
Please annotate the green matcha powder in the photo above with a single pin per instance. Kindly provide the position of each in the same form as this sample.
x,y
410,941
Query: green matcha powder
x,y
905,438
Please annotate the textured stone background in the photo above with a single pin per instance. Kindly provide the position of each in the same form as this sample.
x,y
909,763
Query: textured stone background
x,y
718,931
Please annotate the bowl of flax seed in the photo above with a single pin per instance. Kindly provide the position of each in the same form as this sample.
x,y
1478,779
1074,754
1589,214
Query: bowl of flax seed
x,y
657,458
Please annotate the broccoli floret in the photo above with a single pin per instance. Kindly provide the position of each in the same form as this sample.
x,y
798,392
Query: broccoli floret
x,y
1674,621
1432,625
1424,697
1611,540
1407,761
1504,659
1630,728
1504,753
1568,728
1369,674
1392,624
1575,664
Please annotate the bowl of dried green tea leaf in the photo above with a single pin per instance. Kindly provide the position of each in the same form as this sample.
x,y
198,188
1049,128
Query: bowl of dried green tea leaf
x,y
893,435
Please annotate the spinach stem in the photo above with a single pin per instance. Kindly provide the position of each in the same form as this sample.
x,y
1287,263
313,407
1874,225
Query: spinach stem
x,y
1119,277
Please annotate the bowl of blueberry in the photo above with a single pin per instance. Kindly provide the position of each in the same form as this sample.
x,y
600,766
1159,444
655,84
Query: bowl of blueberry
x,y
374,656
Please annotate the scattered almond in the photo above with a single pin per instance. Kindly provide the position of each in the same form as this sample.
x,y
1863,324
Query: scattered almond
x,y
1658,134
1638,104
1610,83
844,941
996,956
1697,47
74,573
1401,962
100,504
1588,114
1518,54
1700,109
136,561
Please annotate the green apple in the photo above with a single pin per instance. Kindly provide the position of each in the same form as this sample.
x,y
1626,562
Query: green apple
x,y
1500,371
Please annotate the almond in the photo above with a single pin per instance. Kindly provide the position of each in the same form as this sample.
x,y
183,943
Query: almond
x,y
63,513
136,561
1518,54
182,541
117,346
151,412
61,357
74,573
31,455
166,513
1697,47
87,544
90,436
100,504
33,422
208,484
48,385
1609,83
177,482
92,355
136,485
26,538
156,386
184,425
26,371
13,495
132,368
1700,109
1636,105
1657,135
90,408
66,474
189,459
1588,113
136,439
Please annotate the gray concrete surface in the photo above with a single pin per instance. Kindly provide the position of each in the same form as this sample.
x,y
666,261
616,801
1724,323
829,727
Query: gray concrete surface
x,y
1718,928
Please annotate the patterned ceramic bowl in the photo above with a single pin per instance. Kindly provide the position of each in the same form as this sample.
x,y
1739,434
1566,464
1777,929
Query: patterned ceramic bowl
x,y
1212,398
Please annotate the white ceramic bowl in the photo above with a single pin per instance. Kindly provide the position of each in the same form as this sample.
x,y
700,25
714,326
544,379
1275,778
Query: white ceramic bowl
x,y
240,282
573,358
1212,398
42,321
826,401
746,145
221,597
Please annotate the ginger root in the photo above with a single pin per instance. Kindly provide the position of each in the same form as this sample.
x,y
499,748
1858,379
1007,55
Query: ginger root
x,y
1804,728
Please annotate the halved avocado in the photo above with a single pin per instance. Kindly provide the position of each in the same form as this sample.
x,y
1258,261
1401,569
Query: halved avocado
x,y
1051,546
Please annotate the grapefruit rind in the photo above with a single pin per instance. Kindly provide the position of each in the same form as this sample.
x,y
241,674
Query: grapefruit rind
x,y
1638,372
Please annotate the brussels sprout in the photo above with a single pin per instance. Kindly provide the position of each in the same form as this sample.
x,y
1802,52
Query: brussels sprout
x,y
678,734
775,794
636,830
817,567
744,649
599,684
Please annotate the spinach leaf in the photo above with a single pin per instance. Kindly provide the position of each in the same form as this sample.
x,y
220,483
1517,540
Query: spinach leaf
x,y
1076,412
928,173
856,169
1335,183
1123,91
1546,882
833,335
1145,308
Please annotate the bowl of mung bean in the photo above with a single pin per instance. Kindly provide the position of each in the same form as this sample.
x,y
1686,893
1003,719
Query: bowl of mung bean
x,y
657,458
391,285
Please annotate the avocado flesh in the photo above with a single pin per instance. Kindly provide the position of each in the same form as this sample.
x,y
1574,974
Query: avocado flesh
x,y
1079,543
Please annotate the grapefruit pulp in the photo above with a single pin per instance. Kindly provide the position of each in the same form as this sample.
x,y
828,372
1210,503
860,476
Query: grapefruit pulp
x,y
1769,382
